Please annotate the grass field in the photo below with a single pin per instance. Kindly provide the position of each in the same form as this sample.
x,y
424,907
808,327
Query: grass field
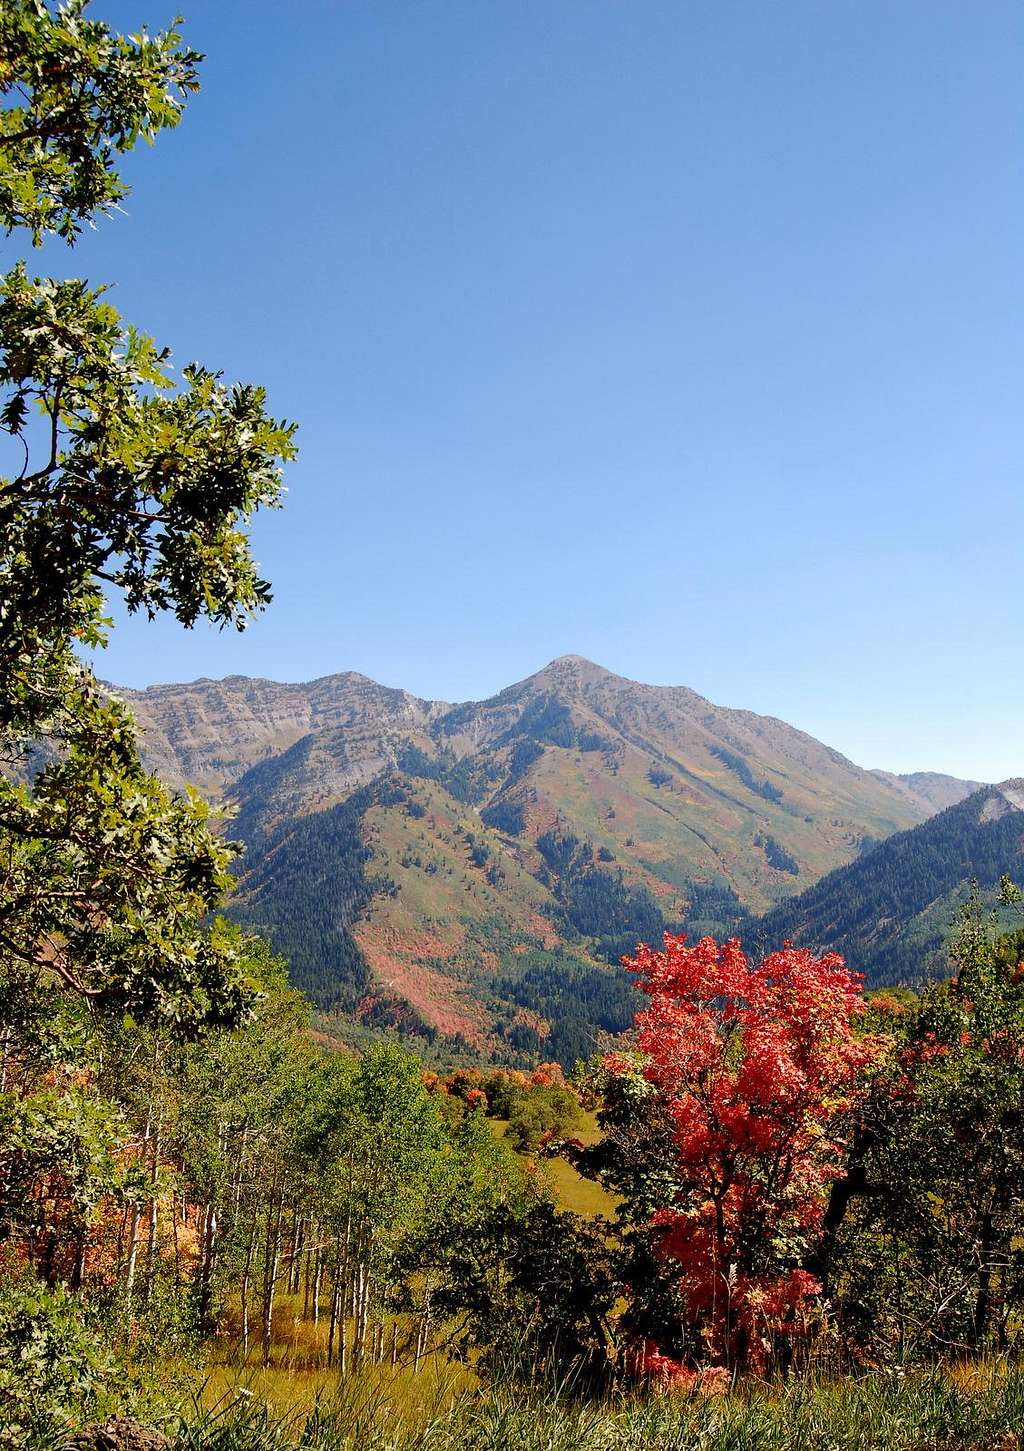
x,y
442,1411
573,1192
299,1405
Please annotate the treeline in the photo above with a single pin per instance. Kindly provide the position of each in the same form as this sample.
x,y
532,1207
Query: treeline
x,y
596,902
867,910
304,885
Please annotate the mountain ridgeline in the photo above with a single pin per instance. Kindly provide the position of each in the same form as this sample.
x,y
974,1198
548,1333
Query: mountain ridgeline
x,y
472,873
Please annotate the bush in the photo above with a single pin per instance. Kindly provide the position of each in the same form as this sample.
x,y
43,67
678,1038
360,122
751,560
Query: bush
x,y
505,1089
553,1109
55,1372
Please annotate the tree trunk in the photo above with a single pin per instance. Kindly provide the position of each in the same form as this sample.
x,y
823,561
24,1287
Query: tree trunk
x,y
423,1331
246,1282
336,1300
209,1253
153,1210
78,1273
853,1185
984,1296
272,1266
295,1253
359,1313
133,1239
317,1272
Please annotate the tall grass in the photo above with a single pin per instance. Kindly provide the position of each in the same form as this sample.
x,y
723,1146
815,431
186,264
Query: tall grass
x,y
982,1412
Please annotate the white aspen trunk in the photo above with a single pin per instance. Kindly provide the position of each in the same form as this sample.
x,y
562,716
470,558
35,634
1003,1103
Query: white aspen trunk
x,y
332,1329
209,1241
294,1251
133,1239
362,1312
272,1268
239,1171
246,1282
343,1342
133,1250
423,1331
318,1266
121,1235
153,1208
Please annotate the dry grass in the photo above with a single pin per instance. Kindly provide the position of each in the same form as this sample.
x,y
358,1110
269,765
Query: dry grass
x,y
438,1412
295,1391
298,1377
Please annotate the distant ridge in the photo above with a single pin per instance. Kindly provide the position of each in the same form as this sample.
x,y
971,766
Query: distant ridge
x,y
940,791
888,913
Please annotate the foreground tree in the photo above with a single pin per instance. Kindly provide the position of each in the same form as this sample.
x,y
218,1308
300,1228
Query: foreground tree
x,y
928,1249
124,480
117,477
724,1131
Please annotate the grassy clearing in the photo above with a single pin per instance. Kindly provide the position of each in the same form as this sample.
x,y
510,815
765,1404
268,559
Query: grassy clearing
x,y
298,1378
299,1403
980,1412
295,1393
573,1192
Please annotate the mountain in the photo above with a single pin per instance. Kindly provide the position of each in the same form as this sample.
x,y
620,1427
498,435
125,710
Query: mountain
x,y
471,870
888,913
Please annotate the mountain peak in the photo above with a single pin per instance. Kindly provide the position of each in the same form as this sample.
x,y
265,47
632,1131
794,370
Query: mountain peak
x,y
576,673
576,811
573,665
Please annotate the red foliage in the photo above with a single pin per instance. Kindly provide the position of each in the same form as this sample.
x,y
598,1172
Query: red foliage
x,y
758,1067
648,1363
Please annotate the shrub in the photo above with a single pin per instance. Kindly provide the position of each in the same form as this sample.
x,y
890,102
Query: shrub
x,y
55,1371
549,1109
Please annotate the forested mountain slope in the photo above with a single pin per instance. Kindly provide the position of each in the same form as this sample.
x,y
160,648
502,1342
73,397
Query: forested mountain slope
x,y
888,913
474,870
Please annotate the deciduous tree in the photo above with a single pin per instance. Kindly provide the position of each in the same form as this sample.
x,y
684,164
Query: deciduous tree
x,y
726,1127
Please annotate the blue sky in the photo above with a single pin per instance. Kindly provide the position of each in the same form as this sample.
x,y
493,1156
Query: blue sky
x,y
685,336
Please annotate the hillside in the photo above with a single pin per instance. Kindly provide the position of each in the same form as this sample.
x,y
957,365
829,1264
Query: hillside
x,y
888,913
470,871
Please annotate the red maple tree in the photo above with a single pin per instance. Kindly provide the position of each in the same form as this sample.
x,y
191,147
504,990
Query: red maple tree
x,y
757,1068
